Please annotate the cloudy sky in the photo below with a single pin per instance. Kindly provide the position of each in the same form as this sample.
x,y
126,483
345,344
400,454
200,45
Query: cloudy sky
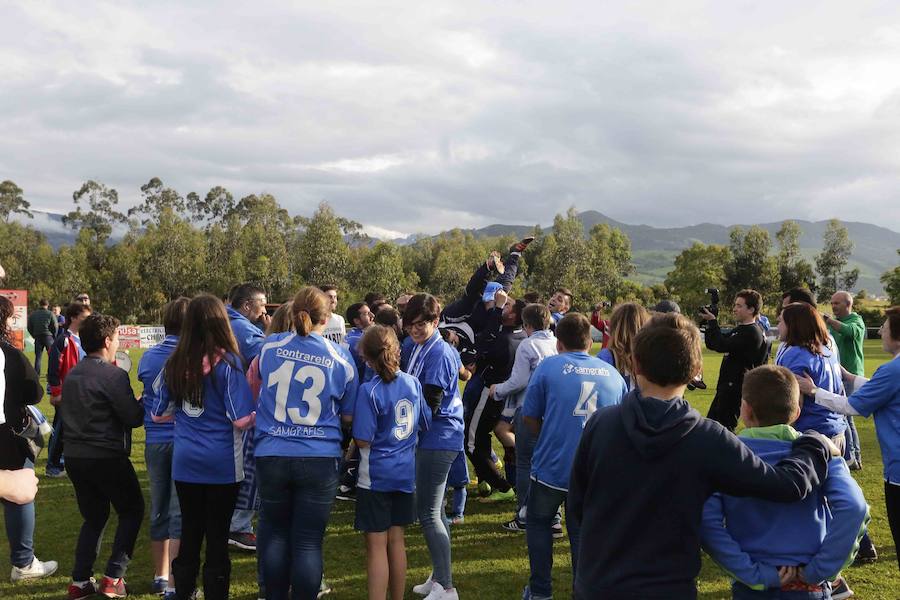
x,y
421,116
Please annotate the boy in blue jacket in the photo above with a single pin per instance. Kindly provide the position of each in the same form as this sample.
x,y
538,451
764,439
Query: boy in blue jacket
x,y
783,550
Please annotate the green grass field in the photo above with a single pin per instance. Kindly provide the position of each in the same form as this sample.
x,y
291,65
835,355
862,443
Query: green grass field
x,y
487,562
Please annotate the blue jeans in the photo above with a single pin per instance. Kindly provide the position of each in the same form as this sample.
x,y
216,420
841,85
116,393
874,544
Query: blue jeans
x,y
740,591
525,442
296,499
543,502
19,532
852,452
458,504
19,519
165,514
432,468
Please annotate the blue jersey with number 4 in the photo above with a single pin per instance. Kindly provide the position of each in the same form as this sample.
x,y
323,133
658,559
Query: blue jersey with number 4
x,y
308,383
389,416
563,393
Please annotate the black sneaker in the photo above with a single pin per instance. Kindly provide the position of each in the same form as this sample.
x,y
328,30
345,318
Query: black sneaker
x,y
514,525
699,384
840,590
244,540
520,246
866,555
345,492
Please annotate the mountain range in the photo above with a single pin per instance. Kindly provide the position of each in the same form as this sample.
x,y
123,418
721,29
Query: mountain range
x,y
653,248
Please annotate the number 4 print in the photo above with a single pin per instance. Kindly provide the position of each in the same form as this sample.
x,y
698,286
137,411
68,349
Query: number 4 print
x,y
587,402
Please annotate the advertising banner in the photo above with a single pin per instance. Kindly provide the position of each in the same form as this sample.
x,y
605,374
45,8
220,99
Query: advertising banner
x,y
129,337
151,335
19,299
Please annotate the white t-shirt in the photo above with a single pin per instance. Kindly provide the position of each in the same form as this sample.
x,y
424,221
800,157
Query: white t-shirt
x,y
335,330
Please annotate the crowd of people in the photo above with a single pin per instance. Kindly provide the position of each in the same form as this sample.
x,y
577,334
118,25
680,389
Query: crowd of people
x,y
247,413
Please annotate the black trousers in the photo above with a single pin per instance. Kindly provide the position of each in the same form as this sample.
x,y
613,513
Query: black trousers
x,y
98,483
205,513
726,407
892,500
482,415
55,445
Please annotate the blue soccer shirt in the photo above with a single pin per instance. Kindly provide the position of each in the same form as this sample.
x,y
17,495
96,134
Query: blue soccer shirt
x,y
152,362
308,383
564,392
825,371
389,416
881,396
208,448
437,363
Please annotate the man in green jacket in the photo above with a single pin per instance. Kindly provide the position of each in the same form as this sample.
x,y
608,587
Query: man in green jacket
x,y
42,327
849,332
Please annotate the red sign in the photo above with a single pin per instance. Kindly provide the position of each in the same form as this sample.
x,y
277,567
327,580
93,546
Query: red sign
x,y
129,337
20,316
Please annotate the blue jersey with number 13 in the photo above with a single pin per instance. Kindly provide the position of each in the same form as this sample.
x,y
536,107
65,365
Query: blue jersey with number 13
x,y
308,383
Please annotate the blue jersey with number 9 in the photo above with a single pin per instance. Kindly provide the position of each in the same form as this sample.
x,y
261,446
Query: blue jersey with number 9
x,y
389,416
308,383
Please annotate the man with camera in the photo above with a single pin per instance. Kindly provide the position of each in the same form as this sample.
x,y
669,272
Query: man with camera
x,y
744,347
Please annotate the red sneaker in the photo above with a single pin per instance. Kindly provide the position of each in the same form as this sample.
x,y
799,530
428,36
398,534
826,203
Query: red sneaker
x,y
112,588
78,591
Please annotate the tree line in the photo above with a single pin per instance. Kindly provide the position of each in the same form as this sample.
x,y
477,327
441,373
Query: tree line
x,y
178,244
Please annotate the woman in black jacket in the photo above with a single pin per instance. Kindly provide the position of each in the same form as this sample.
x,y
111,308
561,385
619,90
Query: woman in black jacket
x,y
22,389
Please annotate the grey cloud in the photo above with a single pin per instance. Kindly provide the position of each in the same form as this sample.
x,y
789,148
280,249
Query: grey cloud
x,y
479,113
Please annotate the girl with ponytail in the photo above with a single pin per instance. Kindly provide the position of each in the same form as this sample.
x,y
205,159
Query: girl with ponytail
x,y
307,391
390,412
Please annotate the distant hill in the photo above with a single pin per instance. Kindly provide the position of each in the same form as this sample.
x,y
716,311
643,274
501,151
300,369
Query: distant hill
x,y
654,248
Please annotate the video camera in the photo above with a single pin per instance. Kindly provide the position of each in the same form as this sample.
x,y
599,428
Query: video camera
x,y
713,305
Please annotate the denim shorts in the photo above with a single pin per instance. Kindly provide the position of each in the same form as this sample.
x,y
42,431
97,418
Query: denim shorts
x,y
165,512
379,511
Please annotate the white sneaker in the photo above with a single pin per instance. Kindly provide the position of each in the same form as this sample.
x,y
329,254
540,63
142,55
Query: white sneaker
x,y
439,593
423,589
35,570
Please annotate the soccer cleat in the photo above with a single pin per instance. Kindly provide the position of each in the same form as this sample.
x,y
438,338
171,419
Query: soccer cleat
x,y
423,589
112,587
514,525
159,585
243,540
495,263
840,590
439,593
498,496
35,570
520,246
83,589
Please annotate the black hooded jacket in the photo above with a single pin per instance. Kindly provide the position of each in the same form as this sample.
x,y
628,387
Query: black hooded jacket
x,y
641,475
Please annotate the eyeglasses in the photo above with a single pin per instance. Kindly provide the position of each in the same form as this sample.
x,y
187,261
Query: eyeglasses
x,y
82,298
418,324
